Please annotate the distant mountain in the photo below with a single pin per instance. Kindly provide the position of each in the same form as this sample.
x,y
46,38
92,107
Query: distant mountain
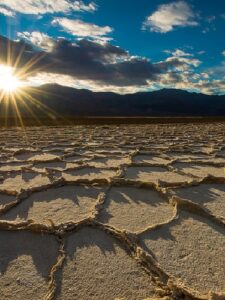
x,y
71,102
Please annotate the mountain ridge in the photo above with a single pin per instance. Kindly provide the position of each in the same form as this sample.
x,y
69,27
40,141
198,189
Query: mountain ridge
x,y
68,101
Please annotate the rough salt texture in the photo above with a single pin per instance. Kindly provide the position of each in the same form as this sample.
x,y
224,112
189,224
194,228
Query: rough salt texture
x,y
13,166
151,160
25,264
24,181
113,212
134,209
209,196
37,157
103,162
155,174
59,166
60,205
192,249
200,170
89,174
97,267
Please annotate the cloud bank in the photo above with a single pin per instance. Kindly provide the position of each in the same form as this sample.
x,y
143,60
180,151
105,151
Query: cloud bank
x,y
103,66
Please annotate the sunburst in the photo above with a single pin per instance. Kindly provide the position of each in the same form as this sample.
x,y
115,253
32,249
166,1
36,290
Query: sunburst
x,y
14,92
9,82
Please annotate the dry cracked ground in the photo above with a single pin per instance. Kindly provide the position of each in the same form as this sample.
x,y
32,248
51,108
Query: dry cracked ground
x,y
112,212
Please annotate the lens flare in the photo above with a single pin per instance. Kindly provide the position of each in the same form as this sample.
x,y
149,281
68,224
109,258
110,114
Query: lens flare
x,y
19,101
9,82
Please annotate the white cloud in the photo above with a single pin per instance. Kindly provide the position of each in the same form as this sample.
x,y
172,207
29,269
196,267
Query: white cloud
x,y
183,75
205,75
169,16
178,53
223,53
186,61
83,29
39,39
201,52
210,87
6,12
35,7
180,61
192,81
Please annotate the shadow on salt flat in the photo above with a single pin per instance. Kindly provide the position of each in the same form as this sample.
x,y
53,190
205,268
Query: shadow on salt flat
x,y
191,248
97,267
134,209
61,205
25,263
209,196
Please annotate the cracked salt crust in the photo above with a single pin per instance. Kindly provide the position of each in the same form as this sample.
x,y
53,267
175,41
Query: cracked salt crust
x,y
209,196
192,249
97,267
134,209
89,174
200,170
150,159
155,174
24,181
52,205
25,264
60,205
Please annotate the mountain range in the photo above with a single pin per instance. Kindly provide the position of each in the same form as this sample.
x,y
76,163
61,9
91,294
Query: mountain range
x,y
58,100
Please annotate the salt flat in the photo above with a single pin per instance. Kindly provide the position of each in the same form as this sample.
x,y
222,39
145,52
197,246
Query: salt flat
x,y
126,212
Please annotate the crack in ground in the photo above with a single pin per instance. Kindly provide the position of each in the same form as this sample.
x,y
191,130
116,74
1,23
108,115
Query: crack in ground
x,y
166,285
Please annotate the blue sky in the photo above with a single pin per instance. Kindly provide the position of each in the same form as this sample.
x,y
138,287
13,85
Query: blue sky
x,y
184,40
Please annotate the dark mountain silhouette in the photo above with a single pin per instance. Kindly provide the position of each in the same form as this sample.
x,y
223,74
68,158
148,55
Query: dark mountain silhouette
x,y
72,102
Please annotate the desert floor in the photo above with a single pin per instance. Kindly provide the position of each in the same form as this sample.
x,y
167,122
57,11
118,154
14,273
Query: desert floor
x,y
112,212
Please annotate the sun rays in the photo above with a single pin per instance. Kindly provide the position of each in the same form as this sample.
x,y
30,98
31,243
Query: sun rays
x,y
9,82
18,100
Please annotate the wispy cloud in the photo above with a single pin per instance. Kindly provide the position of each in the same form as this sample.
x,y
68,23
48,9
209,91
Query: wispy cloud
x,y
210,19
6,12
169,16
82,29
178,53
209,24
34,7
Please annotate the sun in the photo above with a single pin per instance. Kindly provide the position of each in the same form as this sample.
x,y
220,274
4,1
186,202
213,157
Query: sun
x,y
9,82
